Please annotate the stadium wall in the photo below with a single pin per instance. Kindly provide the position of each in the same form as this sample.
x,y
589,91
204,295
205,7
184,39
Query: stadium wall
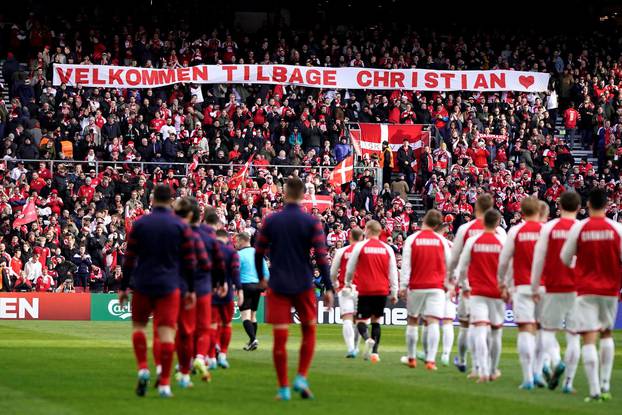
x,y
106,307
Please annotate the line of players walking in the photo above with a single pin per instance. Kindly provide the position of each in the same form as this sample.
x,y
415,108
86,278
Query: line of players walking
x,y
562,275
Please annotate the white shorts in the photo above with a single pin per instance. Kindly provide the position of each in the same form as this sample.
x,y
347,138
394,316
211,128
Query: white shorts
x,y
557,308
347,301
525,309
487,310
463,310
450,308
427,302
595,312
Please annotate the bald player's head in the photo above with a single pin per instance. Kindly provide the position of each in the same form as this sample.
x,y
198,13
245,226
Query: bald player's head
x,y
483,203
356,235
373,229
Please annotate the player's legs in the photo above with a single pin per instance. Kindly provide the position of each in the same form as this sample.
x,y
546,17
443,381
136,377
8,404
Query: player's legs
x,y
480,333
524,316
433,310
306,306
447,334
142,306
166,314
202,337
347,308
588,324
608,307
412,334
497,316
213,337
184,342
248,311
278,313
226,316
571,360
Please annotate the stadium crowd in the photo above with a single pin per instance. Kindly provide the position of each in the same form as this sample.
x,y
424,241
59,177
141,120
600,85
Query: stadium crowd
x,y
506,144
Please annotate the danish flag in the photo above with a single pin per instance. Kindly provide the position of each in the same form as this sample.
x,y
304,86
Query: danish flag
x,y
28,215
322,203
236,180
343,173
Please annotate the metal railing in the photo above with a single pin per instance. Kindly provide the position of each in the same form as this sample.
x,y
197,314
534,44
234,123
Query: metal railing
x,y
182,169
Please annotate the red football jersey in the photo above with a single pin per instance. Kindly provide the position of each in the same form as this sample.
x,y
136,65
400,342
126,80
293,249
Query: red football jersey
x,y
518,248
547,268
479,262
464,232
424,261
596,243
374,263
339,264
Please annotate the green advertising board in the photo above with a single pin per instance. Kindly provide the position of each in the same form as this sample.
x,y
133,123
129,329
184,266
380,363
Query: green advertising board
x,y
106,307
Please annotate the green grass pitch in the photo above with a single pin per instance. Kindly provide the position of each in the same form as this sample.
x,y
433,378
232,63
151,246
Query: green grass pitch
x,y
88,368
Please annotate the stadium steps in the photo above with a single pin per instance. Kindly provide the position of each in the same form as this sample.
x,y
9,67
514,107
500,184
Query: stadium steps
x,y
577,151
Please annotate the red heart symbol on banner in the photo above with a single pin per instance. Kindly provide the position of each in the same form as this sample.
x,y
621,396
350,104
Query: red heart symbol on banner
x,y
526,81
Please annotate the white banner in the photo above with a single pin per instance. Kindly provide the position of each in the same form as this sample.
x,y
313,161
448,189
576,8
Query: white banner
x,y
318,77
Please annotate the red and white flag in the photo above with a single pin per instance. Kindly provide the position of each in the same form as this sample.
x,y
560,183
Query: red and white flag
x,y
322,203
343,173
236,180
27,215
367,138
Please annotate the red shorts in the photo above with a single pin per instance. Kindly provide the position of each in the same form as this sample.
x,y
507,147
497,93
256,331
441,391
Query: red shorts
x,y
203,312
279,307
165,309
223,313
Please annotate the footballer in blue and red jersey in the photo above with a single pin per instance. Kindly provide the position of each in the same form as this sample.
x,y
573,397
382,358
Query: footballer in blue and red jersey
x,y
222,306
188,209
160,256
288,237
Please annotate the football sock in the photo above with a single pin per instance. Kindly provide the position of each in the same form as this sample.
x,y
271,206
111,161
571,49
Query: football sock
x,y
448,339
307,347
481,349
571,357
495,349
471,347
203,341
590,364
462,344
526,345
249,329
279,355
424,338
183,344
433,337
225,338
166,356
255,328
607,353
362,329
348,334
412,333
213,342
156,349
551,347
538,362
375,334
139,340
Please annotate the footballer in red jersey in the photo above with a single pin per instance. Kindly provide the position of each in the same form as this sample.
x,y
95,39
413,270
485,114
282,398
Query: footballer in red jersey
x,y
484,203
374,264
560,292
596,244
347,297
424,269
518,251
478,277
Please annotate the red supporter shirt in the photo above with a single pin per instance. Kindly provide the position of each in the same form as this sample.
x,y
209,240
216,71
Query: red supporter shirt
x,y
596,244
479,262
374,263
548,268
424,261
518,249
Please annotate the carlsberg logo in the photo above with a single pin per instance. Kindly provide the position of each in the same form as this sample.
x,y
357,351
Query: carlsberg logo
x,y
115,309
